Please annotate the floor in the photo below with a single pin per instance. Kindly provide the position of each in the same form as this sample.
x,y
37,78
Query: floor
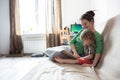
x,y
12,68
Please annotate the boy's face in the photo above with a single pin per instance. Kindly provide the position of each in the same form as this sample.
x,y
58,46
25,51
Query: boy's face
x,y
87,42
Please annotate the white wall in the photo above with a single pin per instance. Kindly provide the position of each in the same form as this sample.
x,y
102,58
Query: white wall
x,y
72,10
105,9
4,26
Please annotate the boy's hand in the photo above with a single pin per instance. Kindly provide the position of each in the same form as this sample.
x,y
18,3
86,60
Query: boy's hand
x,y
86,65
76,55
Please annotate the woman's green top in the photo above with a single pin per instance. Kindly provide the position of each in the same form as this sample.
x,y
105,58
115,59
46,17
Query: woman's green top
x,y
78,43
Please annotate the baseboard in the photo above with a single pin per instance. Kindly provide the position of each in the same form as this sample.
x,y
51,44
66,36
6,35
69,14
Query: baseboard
x,y
1,55
15,55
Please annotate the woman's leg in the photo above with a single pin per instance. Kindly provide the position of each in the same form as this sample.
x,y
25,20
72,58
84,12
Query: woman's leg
x,y
65,61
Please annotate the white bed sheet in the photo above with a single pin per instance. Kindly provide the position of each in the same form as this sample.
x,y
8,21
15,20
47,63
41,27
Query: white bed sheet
x,y
48,70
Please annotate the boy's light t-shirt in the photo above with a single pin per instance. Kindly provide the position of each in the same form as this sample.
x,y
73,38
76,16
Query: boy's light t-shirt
x,y
79,43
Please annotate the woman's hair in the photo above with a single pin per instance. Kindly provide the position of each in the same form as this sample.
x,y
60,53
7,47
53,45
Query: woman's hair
x,y
87,34
89,15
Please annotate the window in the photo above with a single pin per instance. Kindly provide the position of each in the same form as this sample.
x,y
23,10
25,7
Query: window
x,y
32,24
32,16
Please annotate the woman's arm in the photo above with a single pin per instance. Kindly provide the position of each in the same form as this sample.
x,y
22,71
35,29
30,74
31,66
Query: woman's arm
x,y
99,49
72,42
74,51
96,59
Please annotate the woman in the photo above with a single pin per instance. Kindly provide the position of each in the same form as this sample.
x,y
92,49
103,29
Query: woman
x,y
87,21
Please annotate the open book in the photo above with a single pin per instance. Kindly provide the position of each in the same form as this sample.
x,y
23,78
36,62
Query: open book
x,y
69,54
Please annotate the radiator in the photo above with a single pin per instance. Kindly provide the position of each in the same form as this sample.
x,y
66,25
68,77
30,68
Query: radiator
x,y
34,43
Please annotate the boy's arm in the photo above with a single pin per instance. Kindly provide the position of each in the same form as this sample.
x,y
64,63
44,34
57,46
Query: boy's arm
x,y
90,50
95,61
90,56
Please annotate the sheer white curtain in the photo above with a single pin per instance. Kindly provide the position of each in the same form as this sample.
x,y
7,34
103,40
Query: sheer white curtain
x,y
32,16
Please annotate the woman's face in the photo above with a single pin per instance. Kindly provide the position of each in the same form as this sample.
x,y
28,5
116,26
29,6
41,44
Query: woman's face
x,y
87,24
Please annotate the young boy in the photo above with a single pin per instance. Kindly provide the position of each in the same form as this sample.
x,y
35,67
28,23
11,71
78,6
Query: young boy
x,y
88,38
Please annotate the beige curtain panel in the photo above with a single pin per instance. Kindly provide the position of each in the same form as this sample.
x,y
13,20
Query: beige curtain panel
x,y
16,45
53,23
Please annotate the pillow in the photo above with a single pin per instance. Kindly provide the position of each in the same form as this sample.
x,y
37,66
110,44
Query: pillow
x,y
38,54
59,54
57,51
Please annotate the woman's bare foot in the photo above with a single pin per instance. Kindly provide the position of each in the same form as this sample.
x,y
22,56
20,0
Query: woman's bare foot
x,y
59,60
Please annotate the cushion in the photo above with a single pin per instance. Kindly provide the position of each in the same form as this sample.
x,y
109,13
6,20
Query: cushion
x,y
109,65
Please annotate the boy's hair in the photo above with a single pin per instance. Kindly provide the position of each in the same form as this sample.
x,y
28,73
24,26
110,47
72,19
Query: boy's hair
x,y
87,34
